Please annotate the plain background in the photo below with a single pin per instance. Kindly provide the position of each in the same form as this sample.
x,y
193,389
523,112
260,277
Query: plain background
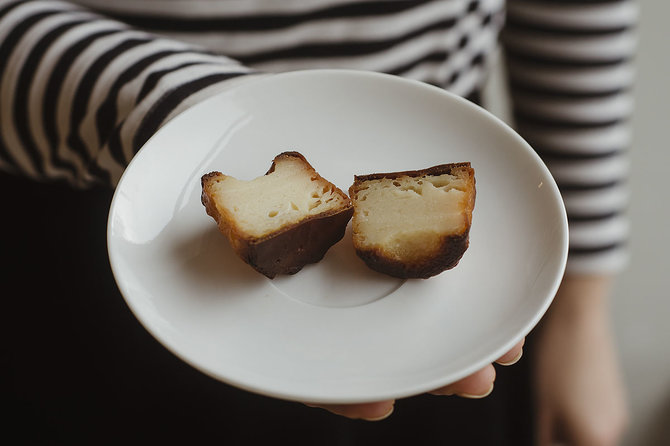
x,y
641,303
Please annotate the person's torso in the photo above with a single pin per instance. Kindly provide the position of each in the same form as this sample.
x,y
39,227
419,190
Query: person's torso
x,y
444,42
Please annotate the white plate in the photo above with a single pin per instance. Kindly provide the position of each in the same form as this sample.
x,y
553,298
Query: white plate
x,y
336,332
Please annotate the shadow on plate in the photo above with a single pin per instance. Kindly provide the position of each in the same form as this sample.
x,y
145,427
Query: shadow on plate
x,y
208,259
340,279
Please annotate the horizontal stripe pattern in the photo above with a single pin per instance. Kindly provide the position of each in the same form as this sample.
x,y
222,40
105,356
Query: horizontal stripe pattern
x,y
570,71
256,19
95,78
83,89
71,79
411,39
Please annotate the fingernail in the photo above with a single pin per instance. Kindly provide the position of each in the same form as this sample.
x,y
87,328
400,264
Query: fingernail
x,y
476,397
513,361
442,392
386,415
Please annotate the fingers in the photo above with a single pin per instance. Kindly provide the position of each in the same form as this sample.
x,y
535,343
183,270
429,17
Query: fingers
x,y
480,383
477,385
512,356
367,411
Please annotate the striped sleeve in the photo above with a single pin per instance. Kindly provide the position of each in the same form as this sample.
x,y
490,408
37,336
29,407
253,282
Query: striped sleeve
x,y
80,93
570,71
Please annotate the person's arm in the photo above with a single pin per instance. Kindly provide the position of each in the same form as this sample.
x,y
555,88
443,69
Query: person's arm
x,y
81,93
570,73
581,399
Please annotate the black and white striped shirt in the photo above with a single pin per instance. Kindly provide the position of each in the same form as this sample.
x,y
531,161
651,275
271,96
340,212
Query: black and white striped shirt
x,y
84,84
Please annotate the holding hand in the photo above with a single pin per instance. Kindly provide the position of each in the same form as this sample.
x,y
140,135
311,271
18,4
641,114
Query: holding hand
x,y
477,385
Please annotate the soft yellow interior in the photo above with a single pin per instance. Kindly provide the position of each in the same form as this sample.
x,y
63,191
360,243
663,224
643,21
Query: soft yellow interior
x,y
408,217
289,194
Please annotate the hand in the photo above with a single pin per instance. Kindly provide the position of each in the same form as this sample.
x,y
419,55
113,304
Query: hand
x,y
579,388
477,385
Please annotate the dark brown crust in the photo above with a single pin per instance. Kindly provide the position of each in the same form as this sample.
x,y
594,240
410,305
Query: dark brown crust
x,y
289,249
441,169
444,257
289,155
448,255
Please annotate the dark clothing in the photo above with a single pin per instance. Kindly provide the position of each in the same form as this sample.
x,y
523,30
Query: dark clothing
x,y
78,367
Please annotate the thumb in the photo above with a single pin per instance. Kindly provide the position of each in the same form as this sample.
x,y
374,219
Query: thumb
x,y
366,411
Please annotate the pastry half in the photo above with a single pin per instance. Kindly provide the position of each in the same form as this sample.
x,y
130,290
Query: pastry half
x,y
282,221
413,224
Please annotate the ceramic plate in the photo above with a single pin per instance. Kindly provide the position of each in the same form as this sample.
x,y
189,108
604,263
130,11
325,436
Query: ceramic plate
x,y
336,332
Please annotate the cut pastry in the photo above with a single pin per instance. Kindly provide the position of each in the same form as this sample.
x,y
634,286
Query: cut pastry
x,y
282,221
413,224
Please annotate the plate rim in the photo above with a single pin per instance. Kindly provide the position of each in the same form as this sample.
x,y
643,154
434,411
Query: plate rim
x,y
408,391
